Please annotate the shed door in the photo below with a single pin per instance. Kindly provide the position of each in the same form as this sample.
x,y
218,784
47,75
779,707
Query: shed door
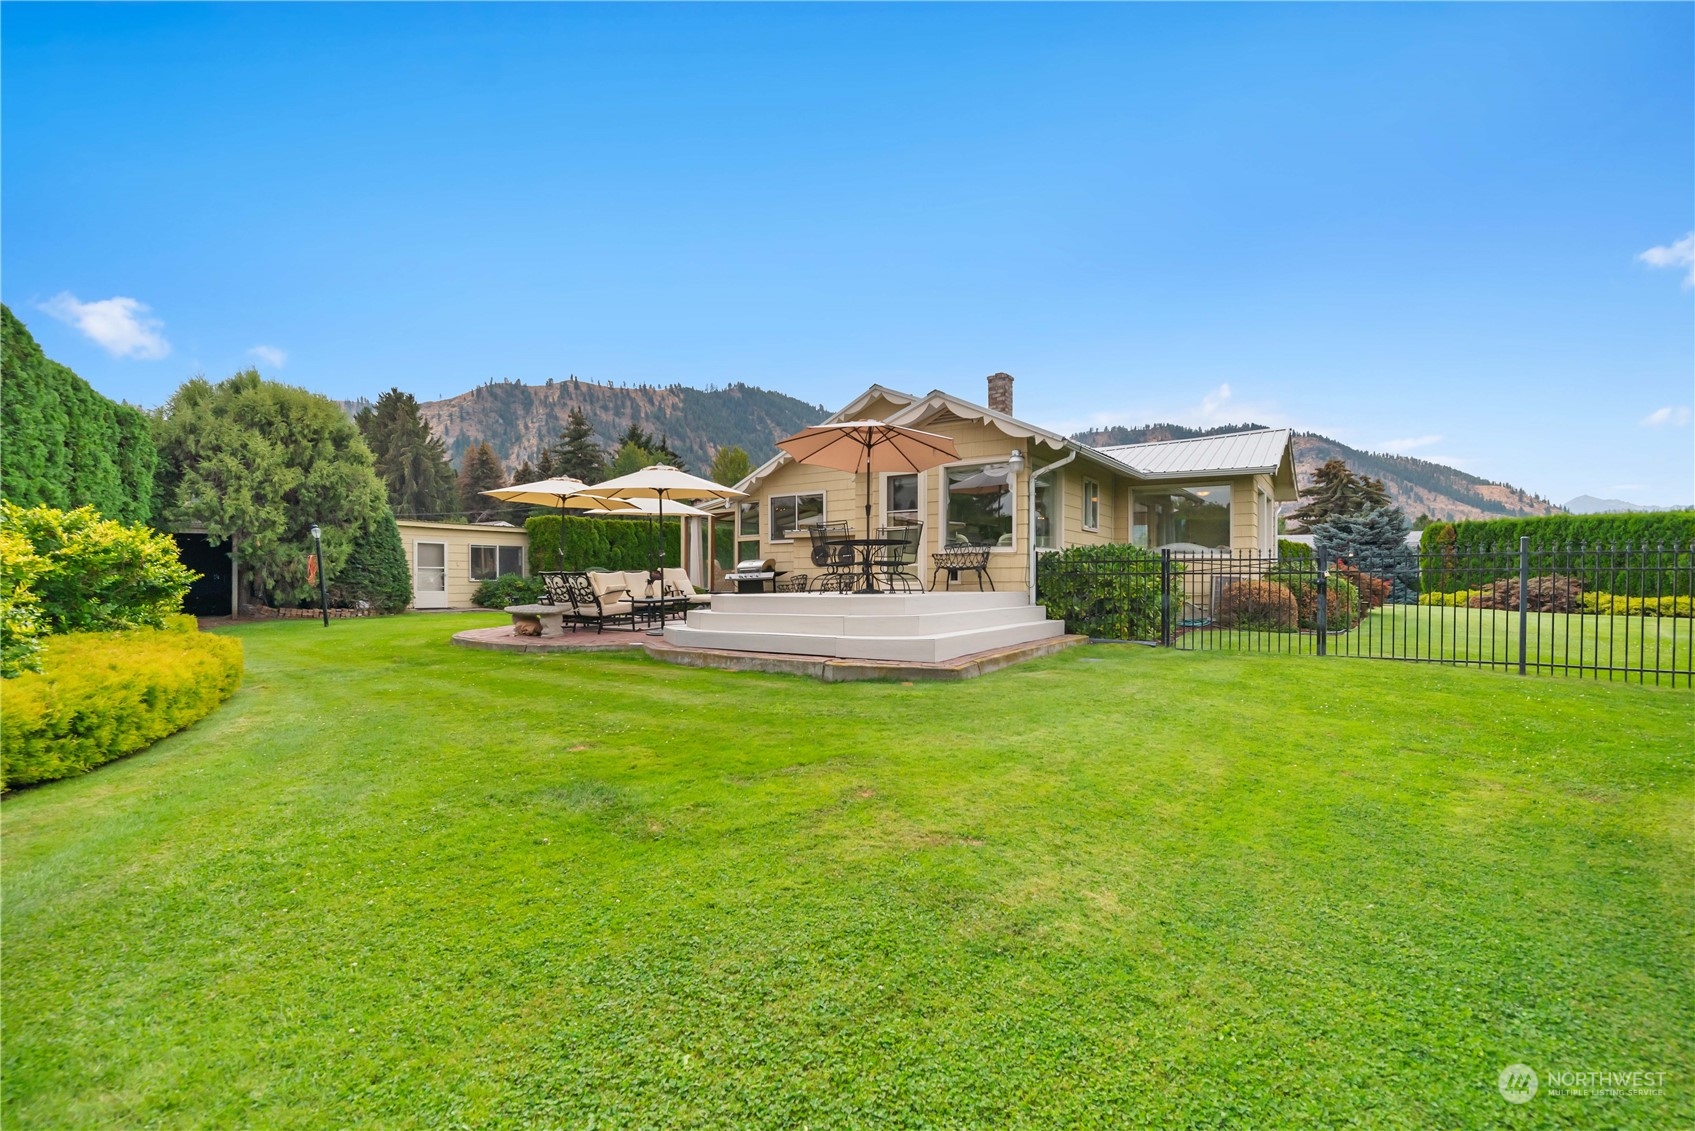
x,y
429,575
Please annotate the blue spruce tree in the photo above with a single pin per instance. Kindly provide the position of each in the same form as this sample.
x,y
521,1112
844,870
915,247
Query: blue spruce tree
x,y
1375,541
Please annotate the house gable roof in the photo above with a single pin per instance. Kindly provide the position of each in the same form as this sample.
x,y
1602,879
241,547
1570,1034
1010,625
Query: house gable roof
x,y
1264,451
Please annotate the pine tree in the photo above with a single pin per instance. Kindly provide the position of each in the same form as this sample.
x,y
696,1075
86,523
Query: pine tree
x,y
1374,541
1335,491
410,460
481,471
544,465
730,465
516,513
576,454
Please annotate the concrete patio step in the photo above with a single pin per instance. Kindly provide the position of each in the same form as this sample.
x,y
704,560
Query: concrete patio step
x,y
927,648
865,623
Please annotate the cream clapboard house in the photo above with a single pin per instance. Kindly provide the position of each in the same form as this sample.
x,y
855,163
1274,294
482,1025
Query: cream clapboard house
x,y
1217,493
450,559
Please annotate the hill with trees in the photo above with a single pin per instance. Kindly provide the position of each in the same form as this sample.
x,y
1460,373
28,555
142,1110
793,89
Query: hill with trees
x,y
1417,486
521,422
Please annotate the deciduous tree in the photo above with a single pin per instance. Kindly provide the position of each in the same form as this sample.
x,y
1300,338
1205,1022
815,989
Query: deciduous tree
x,y
730,465
260,462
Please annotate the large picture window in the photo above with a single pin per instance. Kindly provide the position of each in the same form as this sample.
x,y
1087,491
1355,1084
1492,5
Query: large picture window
x,y
790,513
490,562
1191,516
980,505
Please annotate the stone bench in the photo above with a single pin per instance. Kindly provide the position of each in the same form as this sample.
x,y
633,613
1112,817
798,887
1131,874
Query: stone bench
x,y
538,620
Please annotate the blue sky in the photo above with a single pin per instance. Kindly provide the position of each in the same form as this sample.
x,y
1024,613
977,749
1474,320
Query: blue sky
x,y
1418,228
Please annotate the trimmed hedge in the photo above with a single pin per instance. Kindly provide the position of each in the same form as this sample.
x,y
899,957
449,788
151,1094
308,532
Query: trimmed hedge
x,y
63,444
101,695
603,543
1658,562
1109,592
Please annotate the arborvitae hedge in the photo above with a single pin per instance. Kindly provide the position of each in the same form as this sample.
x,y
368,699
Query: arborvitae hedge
x,y
604,543
101,695
1639,554
63,444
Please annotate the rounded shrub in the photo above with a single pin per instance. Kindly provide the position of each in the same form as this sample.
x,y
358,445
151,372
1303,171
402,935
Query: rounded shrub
x,y
1260,605
508,589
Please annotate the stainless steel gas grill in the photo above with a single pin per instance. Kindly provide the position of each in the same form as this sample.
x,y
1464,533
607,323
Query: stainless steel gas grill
x,y
755,575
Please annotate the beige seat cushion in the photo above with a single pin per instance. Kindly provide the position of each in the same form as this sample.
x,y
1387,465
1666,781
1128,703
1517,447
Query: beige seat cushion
x,y
608,586
615,608
678,579
635,580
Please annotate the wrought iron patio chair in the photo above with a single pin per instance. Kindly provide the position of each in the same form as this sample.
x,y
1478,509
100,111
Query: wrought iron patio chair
x,y
587,609
835,561
895,564
793,583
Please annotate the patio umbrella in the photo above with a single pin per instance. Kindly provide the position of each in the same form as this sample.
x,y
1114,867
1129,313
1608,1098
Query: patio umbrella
x,y
563,492
869,445
661,481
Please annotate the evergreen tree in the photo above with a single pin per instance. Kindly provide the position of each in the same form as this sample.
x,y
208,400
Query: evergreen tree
x,y
1336,490
576,454
261,462
730,465
410,460
544,466
1374,541
516,513
376,574
480,472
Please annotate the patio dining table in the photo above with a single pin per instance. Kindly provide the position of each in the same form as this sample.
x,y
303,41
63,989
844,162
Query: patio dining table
x,y
866,549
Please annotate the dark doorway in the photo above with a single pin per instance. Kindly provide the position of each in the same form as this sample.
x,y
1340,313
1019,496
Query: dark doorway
x,y
210,596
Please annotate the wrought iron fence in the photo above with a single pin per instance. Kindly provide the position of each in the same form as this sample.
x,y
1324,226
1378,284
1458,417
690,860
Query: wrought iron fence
x,y
1605,612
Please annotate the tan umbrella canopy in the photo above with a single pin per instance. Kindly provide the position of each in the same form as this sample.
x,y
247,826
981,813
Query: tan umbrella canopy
x,y
869,445
563,492
560,491
661,481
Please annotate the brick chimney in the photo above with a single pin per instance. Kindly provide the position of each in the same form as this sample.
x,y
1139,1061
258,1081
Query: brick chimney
x,y
1000,392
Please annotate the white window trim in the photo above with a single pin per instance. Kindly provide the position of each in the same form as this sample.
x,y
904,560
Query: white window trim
x,y
1091,527
823,512
1018,502
883,478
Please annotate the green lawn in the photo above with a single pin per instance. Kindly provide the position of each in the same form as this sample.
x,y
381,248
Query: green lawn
x,y
1490,637
398,884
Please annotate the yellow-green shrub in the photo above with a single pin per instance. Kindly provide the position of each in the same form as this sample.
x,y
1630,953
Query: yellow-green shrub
x,y
1620,606
1459,598
101,695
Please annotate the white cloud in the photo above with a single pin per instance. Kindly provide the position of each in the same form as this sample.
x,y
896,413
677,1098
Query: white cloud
x,y
1410,442
123,327
270,355
1679,254
1672,416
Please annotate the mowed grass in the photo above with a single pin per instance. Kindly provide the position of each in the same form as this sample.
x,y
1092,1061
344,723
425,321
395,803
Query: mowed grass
x,y
399,884
1605,647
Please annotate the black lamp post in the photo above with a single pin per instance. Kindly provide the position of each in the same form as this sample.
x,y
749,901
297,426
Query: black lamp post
x,y
323,585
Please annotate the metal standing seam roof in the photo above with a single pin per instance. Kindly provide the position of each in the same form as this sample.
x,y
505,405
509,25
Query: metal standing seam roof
x,y
1234,452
